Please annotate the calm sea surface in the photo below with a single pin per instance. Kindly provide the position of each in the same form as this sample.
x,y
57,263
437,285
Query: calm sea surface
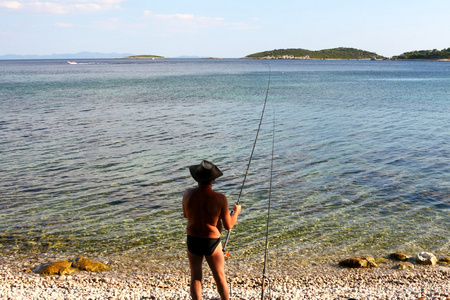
x,y
94,157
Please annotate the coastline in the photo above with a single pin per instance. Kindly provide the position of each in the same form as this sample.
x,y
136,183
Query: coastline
x,y
144,280
341,59
150,57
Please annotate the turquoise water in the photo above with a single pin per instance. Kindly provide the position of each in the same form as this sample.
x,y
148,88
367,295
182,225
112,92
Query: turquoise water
x,y
94,156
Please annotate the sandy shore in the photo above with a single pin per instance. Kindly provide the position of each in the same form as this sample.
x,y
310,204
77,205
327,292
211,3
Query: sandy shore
x,y
169,282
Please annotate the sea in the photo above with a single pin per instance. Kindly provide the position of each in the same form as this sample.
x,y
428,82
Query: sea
x,y
353,156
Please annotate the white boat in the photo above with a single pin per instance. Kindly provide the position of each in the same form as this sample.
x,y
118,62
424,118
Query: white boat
x,y
71,62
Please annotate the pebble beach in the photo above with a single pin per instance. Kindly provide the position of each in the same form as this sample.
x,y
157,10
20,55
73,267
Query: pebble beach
x,y
141,280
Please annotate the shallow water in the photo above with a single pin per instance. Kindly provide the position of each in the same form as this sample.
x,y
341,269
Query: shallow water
x,y
94,156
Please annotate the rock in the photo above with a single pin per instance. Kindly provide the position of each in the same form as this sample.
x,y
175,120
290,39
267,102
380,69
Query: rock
x,y
55,268
68,267
399,256
381,260
426,258
85,264
445,261
405,266
359,262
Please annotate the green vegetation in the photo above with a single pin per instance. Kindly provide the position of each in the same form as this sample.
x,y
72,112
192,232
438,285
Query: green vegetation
x,y
425,54
335,53
144,56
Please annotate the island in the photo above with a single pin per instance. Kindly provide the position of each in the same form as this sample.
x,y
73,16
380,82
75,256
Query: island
x,y
304,54
434,54
349,53
144,57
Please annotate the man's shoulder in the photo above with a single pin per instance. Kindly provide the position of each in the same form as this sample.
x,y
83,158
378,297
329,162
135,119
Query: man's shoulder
x,y
188,192
194,190
219,195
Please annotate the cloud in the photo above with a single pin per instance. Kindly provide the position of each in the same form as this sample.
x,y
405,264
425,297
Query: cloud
x,y
191,23
193,19
62,6
112,23
11,4
63,25
167,17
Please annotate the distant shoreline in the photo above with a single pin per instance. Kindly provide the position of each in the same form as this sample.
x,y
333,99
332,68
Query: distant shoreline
x,y
347,53
298,53
355,59
143,57
218,58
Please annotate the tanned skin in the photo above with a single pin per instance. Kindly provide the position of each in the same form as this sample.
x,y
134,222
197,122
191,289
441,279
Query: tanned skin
x,y
206,211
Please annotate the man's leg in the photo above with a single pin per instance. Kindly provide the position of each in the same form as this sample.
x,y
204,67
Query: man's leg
x,y
217,264
195,262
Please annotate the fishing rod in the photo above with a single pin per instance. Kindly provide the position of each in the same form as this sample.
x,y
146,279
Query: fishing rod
x,y
249,162
268,210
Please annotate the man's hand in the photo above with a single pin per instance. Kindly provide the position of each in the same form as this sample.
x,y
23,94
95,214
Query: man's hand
x,y
236,209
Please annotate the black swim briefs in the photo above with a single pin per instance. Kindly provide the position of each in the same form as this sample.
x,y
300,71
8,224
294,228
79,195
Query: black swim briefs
x,y
202,246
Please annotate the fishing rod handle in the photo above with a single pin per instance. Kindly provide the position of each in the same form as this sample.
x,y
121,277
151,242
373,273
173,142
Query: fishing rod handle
x,y
226,241
228,235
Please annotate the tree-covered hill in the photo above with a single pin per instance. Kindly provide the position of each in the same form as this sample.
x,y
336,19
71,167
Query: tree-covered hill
x,y
144,57
425,54
335,53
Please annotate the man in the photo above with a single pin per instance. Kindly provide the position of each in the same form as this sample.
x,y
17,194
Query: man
x,y
206,211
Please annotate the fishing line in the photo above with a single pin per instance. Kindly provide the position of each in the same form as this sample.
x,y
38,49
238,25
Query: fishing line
x,y
268,210
250,160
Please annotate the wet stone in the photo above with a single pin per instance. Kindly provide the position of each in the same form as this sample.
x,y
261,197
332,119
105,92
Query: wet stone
x,y
68,267
85,264
399,256
359,262
55,268
381,260
445,261
426,258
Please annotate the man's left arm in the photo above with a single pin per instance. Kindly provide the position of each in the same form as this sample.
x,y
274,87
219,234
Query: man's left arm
x,y
184,204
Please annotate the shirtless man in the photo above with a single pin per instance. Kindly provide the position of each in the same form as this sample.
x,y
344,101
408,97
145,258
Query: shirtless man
x,y
206,211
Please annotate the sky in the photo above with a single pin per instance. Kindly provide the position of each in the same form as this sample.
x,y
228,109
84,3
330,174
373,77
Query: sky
x,y
227,29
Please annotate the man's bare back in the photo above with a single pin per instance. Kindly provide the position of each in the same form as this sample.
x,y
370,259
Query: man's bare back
x,y
206,210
